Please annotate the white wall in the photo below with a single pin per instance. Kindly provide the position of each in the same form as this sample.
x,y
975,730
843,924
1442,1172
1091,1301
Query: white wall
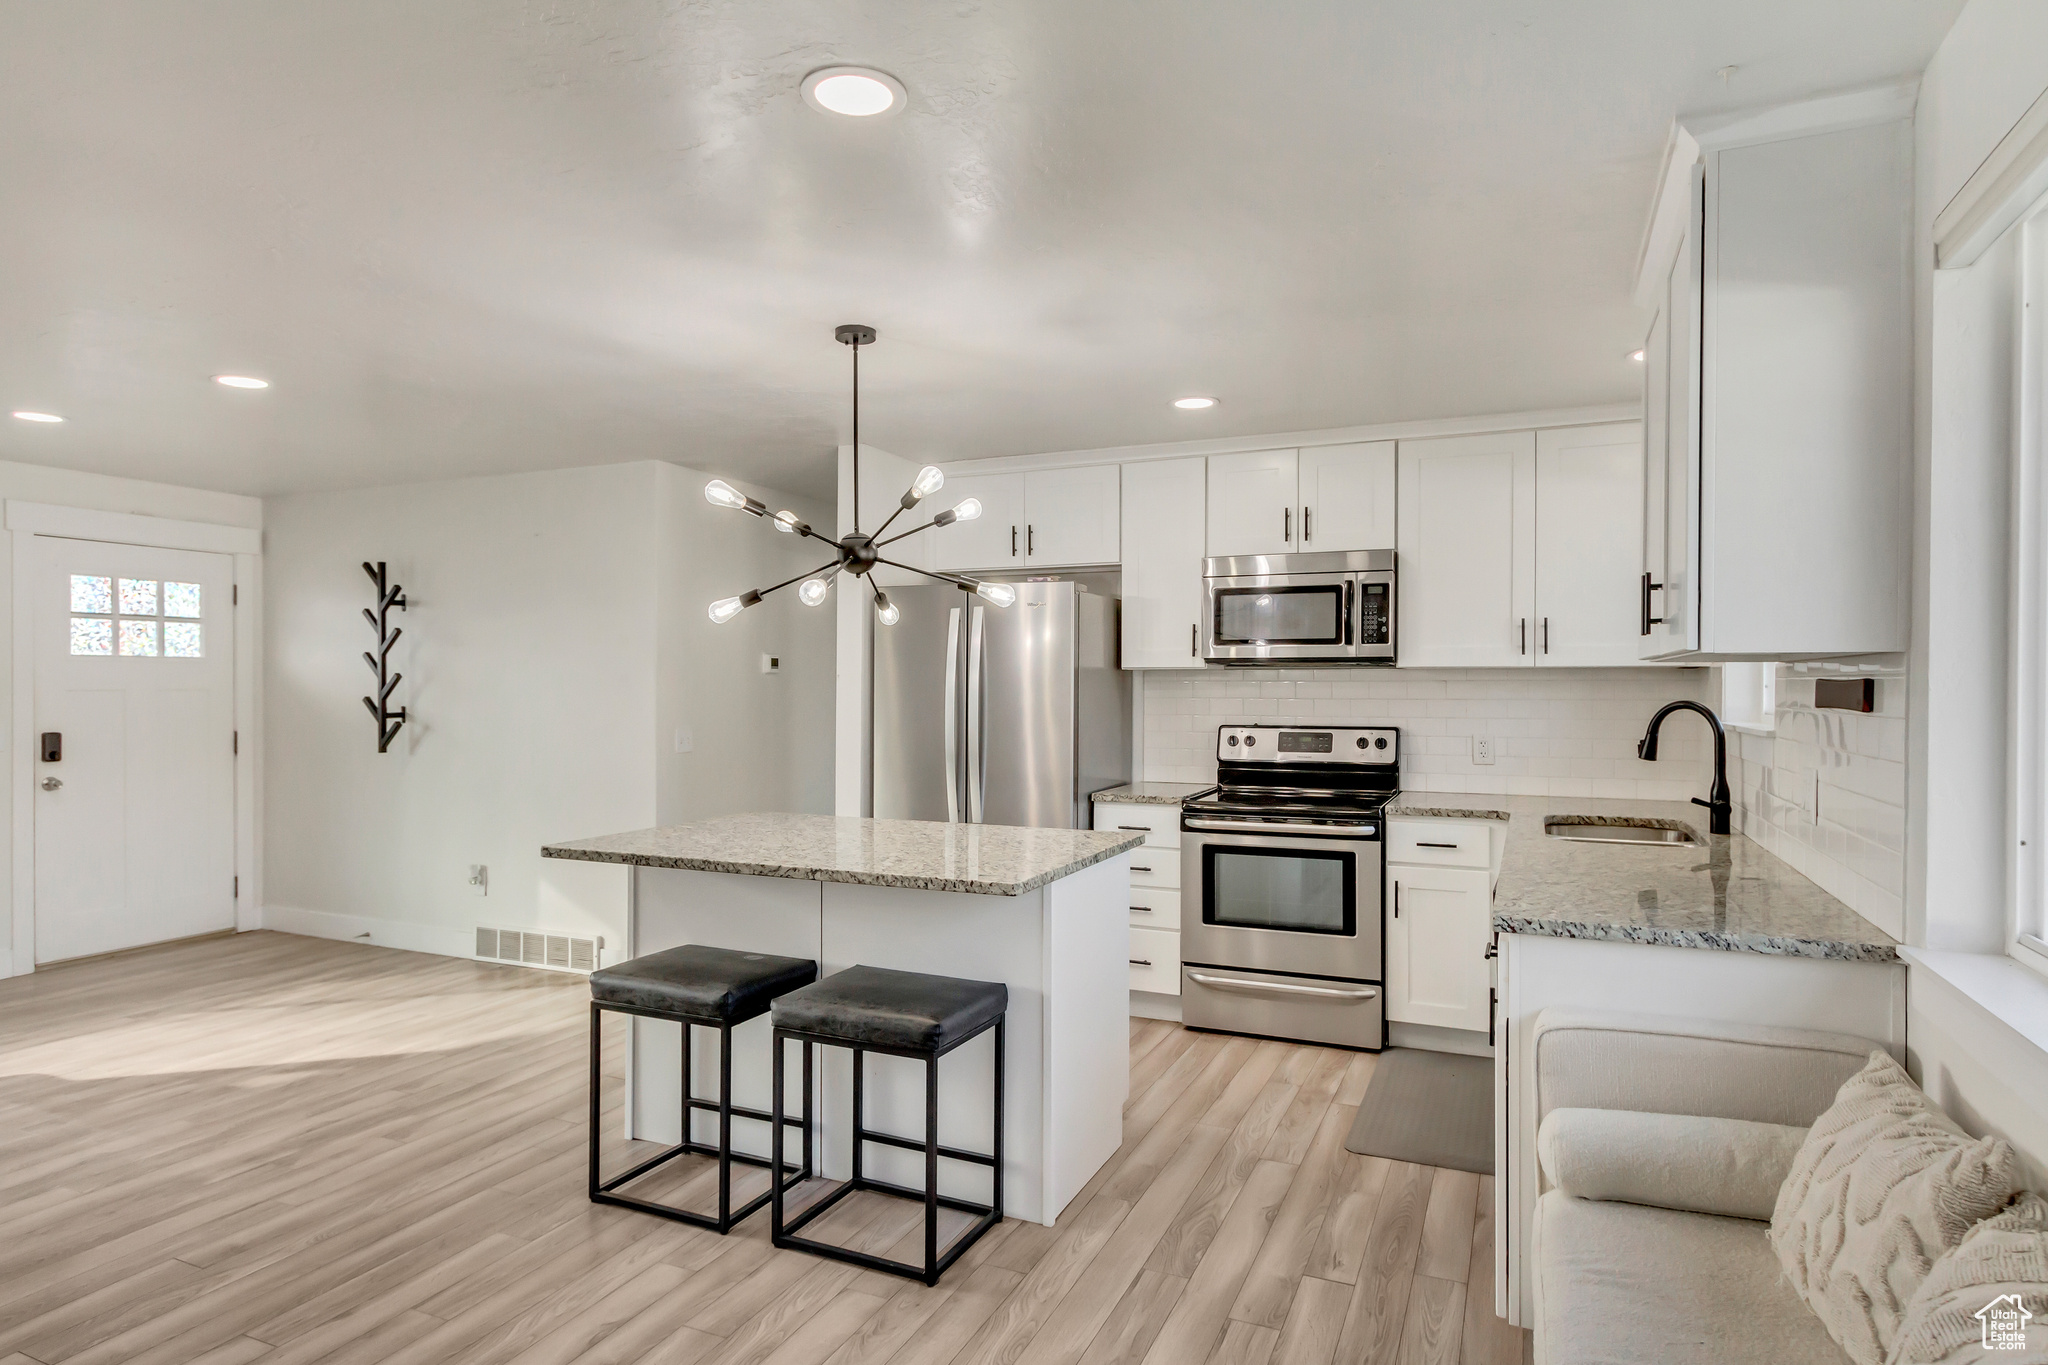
x,y
99,492
1826,791
1988,71
883,477
549,656
1558,731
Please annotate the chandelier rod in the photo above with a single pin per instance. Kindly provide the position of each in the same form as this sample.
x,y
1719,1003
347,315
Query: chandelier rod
x,y
856,436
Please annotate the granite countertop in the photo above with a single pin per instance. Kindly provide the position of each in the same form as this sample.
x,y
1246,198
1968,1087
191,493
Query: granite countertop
x,y
1154,793
918,855
1731,895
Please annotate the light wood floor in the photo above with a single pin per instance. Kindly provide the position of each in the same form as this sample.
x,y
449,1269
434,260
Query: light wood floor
x,y
279,1149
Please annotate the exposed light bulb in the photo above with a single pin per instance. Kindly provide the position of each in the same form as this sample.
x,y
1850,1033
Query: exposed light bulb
x,y
1001,594
967,509
887,612
719,493
725,608
811,592
785,520
929,480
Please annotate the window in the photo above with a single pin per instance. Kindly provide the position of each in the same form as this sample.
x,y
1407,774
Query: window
x,y
2029,791
148,623
1749,696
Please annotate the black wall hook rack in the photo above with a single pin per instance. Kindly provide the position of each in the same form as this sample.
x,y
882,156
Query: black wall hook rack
x,y
388,597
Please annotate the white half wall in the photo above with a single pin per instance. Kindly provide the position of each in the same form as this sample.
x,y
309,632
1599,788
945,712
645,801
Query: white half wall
x,y
102,493
551,649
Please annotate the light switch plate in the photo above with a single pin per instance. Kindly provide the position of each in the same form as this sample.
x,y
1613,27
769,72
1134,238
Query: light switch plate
x,y
685,741
480,879
1482,749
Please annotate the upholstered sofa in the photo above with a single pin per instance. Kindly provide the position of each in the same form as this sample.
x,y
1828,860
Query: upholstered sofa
x,y
1662,1144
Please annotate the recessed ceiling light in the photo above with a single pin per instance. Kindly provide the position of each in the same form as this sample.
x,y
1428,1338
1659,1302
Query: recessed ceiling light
x,y
1194,402
241,381
856,91
1635,356
38,416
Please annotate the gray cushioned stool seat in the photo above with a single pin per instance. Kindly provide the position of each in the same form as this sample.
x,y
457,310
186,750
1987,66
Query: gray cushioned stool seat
x,y
709,983
876,1007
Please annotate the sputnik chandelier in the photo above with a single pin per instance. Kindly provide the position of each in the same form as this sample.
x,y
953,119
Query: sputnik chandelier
x,y
857,554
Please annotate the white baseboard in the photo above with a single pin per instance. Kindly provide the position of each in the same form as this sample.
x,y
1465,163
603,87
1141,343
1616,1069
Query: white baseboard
x,y
1153,1005
384,933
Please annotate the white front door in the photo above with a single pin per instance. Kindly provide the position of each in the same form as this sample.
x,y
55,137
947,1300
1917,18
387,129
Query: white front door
x,y
135,771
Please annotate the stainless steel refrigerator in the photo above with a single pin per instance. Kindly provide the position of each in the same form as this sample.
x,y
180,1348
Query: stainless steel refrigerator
x,y
999,715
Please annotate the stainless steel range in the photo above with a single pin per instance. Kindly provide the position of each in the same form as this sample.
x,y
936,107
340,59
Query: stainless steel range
x,y
1285,861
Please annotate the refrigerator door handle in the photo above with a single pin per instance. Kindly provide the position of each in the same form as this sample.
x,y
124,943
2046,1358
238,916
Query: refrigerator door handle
x,y
953,716
976,645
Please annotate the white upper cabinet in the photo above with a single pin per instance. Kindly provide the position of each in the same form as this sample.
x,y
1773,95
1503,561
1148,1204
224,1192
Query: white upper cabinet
x,y
1589,520
1783,287
1347,497
1071,516
1467,550
1163,508
1252,503
996,539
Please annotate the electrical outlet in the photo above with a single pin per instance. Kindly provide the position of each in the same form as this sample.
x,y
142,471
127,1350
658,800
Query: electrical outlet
x,y
1482,749
480,879
771,663
685,741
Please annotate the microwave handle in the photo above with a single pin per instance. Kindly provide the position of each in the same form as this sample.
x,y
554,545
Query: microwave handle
x,y
1350,616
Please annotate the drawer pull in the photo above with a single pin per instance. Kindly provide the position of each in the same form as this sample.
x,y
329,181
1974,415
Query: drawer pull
x,y
1141,962
1141,909
1136,868
1277,987
1420,844
1137,829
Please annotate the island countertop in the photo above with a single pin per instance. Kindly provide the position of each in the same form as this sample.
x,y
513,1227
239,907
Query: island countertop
x,y
916,855
1731,894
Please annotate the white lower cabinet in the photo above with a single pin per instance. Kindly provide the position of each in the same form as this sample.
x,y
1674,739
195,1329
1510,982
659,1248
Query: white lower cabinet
x,y
1154,894
1438,923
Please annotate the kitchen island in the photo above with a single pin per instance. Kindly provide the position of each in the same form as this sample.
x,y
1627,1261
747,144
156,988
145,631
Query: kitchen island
x,y
1042,910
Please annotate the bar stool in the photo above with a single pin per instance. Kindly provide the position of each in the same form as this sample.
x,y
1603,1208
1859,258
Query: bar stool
x,y
899,1014
715,988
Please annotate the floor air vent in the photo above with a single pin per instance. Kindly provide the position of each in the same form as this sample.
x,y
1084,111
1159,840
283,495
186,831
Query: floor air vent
x,y
558,952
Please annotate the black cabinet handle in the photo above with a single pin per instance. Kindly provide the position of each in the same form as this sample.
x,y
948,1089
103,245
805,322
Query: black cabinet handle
x,y
1287,524
1525,635
1013,542
1546,635
1194,639
1141,909
1420,844
1305,534
1136,868
1030,540
1648,588
1137,829
1141,962
1397,900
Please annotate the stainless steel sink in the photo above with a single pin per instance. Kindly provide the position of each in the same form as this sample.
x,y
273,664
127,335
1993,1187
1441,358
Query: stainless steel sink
x,y
1655,836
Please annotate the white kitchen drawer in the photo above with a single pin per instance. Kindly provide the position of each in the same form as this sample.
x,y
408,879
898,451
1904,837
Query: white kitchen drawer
x,y
1155,961
1440,843
1156,865
1154,907
1161,824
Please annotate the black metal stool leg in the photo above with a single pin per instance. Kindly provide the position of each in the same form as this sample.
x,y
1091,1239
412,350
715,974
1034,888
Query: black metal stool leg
x,y
775,1045
725,1127
859,1112
596,1085
996,1194
931,1170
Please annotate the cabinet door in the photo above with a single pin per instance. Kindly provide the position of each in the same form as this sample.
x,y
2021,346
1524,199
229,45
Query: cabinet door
x,y
996,539
1678,603
1252,503
1656,447
1438,923
1164,506
1347,497
1589,527
1071,516
1468,551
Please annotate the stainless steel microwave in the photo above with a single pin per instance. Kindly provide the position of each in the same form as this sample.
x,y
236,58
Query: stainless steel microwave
x,y
1310,608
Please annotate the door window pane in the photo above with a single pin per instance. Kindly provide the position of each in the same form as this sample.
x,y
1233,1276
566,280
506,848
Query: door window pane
x,y
91,593
138,598
1277,888
89,636
138,637
181,599
181,639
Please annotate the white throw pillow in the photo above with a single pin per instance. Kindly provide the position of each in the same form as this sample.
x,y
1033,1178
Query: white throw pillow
x,y
2000,1270
1728,1167
1883,1185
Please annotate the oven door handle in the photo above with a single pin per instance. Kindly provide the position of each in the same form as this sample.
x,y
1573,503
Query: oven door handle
x,y
1231,983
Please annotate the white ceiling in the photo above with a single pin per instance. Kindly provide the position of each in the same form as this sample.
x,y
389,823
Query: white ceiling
x,y
476,236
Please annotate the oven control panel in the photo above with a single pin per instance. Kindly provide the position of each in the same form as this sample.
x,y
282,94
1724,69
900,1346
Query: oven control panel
x,y
1327,746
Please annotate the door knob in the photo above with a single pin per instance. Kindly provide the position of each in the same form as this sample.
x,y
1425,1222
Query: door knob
x,y
51,784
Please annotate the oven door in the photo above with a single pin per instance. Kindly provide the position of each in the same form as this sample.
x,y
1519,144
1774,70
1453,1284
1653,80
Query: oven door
x,y
1282,898
1268,617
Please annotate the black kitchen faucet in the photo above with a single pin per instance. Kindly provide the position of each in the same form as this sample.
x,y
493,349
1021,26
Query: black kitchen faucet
x,y
1718,805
